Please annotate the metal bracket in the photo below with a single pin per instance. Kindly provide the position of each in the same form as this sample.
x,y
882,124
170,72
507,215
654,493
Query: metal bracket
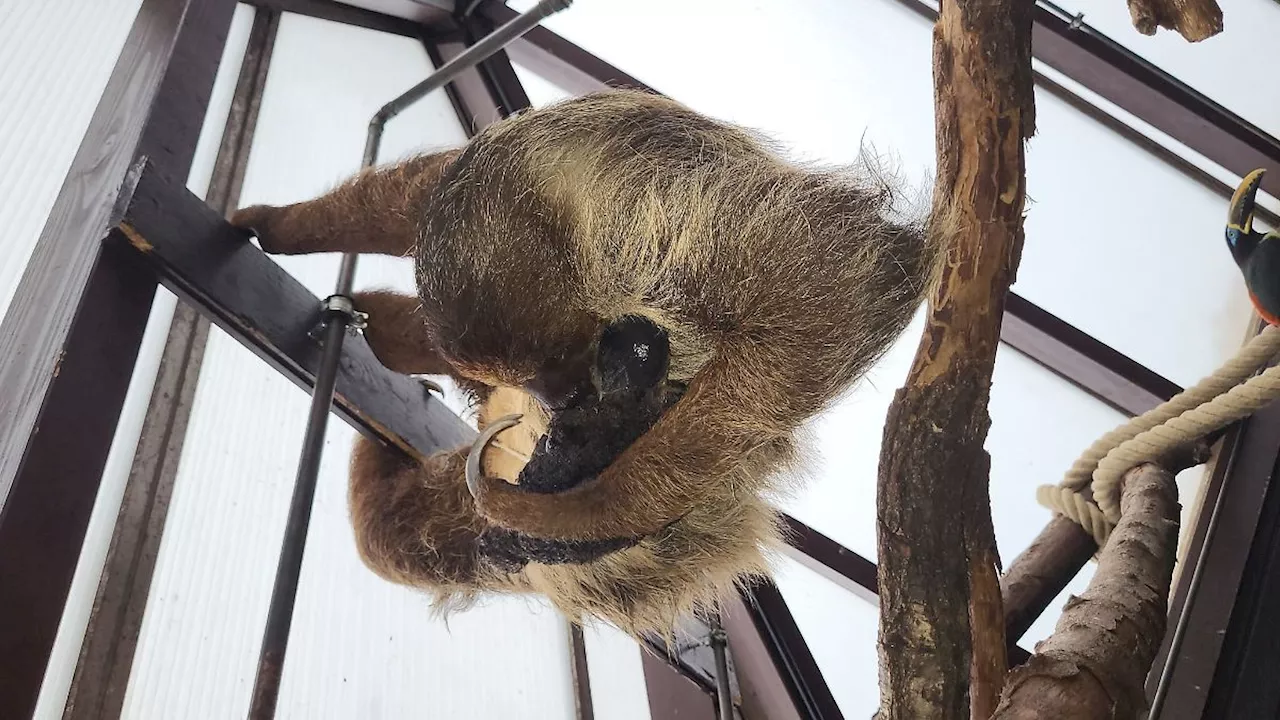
x,y
356,321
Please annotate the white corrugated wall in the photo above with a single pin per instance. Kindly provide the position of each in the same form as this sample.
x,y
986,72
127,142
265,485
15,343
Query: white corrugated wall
x,y
55,58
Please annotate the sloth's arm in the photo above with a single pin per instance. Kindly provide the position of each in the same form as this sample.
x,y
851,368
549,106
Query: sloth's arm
x,y
415,523
373,212
736,417
397,333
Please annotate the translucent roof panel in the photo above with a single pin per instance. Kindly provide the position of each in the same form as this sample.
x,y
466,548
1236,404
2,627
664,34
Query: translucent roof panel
x,y
1227,67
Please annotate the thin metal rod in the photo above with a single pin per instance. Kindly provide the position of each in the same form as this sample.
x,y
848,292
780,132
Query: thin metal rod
x,y
724,698
275,638
266,689
490,44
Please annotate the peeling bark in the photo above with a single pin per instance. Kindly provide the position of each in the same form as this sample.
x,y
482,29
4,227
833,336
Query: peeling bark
x,y
1056,555
1097,660
942,646
1194,20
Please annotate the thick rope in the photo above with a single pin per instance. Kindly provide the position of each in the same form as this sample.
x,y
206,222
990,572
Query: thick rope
x,y
1213,403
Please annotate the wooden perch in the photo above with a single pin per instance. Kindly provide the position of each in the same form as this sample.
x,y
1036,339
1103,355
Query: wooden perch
x,y
1041,572
940,609
1194,20
1098,658
1056,555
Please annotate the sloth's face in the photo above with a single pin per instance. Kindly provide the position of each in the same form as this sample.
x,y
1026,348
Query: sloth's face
x,y
595,403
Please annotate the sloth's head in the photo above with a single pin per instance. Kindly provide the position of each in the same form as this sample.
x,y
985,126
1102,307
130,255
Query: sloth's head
x,y
664,302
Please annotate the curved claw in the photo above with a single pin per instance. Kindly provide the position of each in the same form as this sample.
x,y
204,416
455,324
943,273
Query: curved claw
x,y
429,384
477,448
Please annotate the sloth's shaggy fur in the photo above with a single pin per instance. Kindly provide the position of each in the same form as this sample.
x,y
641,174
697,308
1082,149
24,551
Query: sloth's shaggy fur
x,y
778,286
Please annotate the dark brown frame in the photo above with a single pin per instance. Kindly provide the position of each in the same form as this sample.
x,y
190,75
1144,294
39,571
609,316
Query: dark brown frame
x,y
70,340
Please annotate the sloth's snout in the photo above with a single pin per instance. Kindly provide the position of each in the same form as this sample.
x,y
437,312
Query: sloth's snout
x,y
598,411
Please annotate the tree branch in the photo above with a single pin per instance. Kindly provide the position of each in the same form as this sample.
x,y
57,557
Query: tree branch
x,y
1095,663
1194,20
1056,555
939,593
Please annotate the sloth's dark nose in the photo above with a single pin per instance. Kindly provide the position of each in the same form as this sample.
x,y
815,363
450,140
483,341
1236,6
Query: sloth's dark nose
x,y
561,385
632,355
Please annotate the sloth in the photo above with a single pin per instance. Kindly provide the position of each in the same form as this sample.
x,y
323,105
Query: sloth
x,y
645,306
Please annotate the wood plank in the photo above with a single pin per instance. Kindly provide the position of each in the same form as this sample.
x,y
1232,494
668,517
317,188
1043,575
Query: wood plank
x,y
47,512
212,265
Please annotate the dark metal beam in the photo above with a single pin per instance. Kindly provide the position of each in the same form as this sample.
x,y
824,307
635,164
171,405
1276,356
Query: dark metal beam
x,y
345,14
107,653
461,107
1121,77
790,654
1156,97
499,78
210,264
1208,587
1244,682
830,559
70,338
672,695
1081,359
584,708
559,52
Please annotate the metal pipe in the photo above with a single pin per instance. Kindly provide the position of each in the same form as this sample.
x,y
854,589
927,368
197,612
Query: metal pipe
x,y
275,638
337,318
719,641
490,44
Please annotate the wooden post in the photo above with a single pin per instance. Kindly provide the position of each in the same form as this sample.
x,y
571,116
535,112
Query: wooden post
x,y
941,626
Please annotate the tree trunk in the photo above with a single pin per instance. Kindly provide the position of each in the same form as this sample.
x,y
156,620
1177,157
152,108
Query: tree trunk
x,y
939,592
1097,660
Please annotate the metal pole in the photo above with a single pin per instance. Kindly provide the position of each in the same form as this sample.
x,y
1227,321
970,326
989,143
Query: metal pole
x,y
339,314
724,698
488,45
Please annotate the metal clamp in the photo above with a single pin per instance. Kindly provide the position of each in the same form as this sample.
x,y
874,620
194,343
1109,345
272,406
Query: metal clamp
x,y
343,305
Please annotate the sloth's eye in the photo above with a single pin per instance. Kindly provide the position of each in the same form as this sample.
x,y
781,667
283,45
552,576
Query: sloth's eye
x,y
632,355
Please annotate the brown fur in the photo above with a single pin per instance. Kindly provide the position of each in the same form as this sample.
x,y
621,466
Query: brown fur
x,y
778,287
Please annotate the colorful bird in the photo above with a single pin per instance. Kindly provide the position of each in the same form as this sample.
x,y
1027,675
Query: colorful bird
x,y
1257,254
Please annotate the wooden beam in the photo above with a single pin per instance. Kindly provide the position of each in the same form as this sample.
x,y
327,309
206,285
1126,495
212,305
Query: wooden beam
x,y
107,652
71,336
210,264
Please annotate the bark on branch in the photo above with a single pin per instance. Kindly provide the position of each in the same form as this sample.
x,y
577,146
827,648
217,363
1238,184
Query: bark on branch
x,y
1060,550
1095,663
940,612
1194,20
